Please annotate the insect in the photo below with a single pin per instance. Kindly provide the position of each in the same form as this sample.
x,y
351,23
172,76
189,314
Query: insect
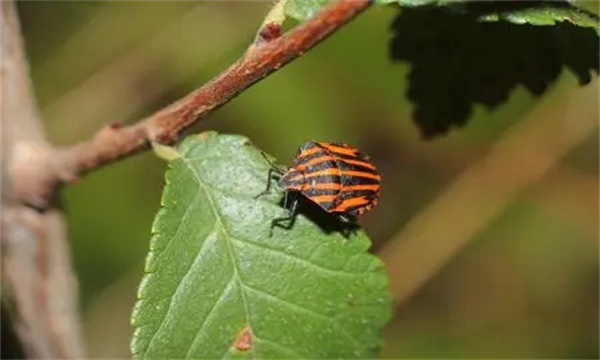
x,y
335,176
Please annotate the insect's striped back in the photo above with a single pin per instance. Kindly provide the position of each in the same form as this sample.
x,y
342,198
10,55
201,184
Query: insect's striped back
x,y
359,178
335,176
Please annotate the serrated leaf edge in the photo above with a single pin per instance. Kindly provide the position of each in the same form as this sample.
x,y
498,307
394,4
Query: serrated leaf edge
x,y
236,278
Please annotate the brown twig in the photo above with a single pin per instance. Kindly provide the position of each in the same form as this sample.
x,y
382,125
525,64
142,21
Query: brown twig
x,y
114,141
38,285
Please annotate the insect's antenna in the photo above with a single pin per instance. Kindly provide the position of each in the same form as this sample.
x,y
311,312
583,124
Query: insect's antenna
x,y
273,169
274,166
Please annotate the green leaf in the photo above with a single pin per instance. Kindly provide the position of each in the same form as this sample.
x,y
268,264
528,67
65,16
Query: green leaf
x,y
461,57
540,13
302,10
218,285
545,14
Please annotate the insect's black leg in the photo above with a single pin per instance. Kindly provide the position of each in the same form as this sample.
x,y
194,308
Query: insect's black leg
x,y
286,199
292,212
350,225
348,231
273,173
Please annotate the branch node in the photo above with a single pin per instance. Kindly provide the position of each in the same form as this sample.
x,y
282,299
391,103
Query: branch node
x,y
116,125
272,26
269,32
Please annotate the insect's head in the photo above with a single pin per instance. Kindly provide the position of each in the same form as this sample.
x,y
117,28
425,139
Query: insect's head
x,y
293,179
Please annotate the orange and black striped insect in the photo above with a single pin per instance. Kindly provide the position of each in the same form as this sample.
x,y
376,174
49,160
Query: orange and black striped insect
x,y
335,176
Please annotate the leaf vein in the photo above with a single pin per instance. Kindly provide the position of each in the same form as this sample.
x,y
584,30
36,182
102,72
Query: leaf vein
x,y
227,238
306,310
177,288
162,251
297,259
283,347
267,295
224,292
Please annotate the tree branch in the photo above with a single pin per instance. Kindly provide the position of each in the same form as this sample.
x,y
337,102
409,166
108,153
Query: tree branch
x,y
39,288
262,58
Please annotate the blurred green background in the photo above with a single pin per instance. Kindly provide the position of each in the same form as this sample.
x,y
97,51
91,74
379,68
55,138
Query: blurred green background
x,y
525,287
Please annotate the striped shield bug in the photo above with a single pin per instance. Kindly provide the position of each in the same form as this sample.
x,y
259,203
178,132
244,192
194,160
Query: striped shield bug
x,y
337,177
